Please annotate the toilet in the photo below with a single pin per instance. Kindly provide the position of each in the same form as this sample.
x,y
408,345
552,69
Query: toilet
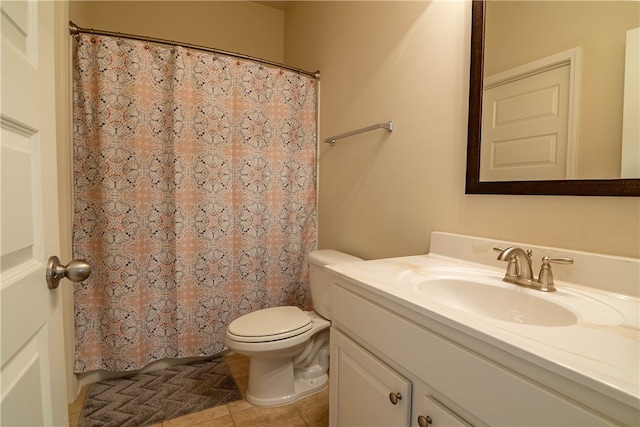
x,y
289,348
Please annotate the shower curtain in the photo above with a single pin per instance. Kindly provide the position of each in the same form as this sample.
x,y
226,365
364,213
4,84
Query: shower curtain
x,y
194,197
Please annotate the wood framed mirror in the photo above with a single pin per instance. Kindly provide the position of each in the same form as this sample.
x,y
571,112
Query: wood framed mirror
x,y
573,187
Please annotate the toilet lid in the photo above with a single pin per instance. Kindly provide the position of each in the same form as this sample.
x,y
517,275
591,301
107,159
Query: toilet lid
x,y
270,324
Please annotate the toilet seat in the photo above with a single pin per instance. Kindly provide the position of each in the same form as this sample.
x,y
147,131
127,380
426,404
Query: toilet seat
x,y
270,324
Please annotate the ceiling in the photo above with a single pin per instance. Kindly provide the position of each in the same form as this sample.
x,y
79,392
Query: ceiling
x,y
282,5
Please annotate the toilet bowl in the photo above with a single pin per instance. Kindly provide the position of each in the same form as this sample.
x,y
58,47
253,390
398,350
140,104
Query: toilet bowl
x,y
289,348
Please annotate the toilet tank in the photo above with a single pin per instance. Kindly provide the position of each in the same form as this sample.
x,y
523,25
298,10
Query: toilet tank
x,y
320,279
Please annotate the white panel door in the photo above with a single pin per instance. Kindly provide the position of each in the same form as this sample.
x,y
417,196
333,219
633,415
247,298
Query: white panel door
x,y
32,353
525,127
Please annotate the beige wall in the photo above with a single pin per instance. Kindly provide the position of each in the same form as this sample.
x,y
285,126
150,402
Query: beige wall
x,y
599,28
234,26
382,194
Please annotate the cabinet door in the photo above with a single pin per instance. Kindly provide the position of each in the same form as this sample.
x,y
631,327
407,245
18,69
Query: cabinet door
x,y
365,391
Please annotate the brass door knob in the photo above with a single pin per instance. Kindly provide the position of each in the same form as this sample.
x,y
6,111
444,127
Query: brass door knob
x,y
394,397
424,421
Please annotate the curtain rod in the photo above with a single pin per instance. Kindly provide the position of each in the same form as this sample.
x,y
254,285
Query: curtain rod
x,y
75,30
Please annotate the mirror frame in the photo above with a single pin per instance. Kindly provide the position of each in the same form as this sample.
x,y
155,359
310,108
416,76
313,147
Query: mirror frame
x,y
586,187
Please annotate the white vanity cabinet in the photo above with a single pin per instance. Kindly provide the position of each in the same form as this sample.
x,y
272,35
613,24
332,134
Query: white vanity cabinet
x,y
376,350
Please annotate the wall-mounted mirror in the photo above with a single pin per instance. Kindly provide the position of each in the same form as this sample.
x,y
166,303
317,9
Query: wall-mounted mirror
x,y
498,53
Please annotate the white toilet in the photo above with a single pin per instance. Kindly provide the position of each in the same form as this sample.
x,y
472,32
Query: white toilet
x,y
288,347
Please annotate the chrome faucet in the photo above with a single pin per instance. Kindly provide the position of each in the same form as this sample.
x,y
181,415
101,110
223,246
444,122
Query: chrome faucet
x,y
520,269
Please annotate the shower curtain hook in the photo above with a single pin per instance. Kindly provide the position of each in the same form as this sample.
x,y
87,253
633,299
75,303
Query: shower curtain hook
x,y
188,49
93,39
119,42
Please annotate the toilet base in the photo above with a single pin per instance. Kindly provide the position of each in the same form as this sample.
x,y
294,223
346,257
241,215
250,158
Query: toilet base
x,y
280,380
302,387
284,371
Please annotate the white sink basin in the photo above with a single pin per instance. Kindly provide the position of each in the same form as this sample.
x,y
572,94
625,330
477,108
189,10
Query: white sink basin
x,y
511,304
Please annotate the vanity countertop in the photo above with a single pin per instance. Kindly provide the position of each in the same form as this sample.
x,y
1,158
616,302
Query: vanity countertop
x,y
600,350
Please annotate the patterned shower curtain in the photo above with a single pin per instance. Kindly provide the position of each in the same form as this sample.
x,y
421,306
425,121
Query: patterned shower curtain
x,y
194,197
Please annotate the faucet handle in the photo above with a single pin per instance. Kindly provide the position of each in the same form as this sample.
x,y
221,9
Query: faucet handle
x,y
561,260
545,278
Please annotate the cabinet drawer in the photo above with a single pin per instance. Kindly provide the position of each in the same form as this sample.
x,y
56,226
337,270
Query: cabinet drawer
x,y
491,393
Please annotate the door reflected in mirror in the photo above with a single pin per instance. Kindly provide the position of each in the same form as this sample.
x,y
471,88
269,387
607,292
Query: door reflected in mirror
x,y
514,45
518,33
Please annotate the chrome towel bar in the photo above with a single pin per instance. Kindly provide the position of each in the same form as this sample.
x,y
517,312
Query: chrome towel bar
x,y
388,126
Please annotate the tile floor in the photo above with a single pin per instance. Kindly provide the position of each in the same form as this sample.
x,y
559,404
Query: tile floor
x,y
310,411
